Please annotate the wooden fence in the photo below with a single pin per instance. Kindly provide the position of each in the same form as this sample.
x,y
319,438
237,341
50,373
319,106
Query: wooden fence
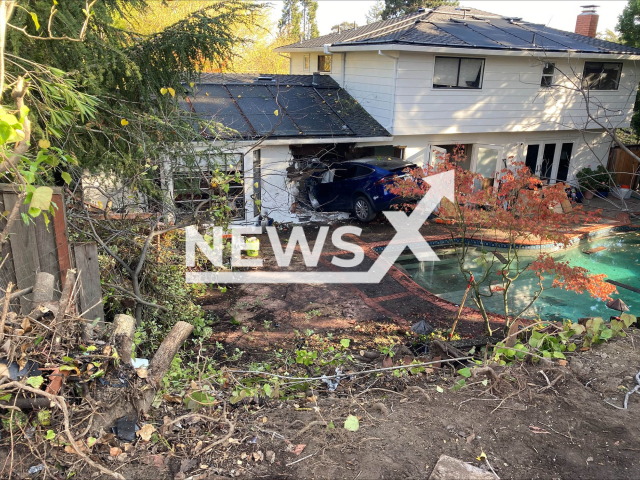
x,y
37,247
33,248
624,165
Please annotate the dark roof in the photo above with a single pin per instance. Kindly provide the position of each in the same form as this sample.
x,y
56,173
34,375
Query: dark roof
x,y
447,26
279,106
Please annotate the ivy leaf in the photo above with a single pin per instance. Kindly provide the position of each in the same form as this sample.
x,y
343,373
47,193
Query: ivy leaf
x,y
351,423
124,122
163,91
41,198
345,342
465,372
50,435
91,441
172,91
66,177
35,382
44,143
606,334
267,390
5,131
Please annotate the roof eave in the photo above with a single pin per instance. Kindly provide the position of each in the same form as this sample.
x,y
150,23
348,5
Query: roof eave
x,y
469,50
300,141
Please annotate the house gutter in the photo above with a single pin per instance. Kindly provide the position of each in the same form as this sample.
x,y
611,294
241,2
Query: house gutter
x,y
467,51
294,141
393,94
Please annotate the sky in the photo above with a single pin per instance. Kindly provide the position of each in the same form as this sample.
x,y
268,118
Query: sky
x,y
559,14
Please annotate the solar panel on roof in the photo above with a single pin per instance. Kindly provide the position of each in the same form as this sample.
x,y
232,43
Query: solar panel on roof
x,y
219,107
277,126
306,109
572,43
504,38
466,34
528,36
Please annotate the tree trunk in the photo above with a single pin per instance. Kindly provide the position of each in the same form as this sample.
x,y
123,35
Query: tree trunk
x,y
141,399
167,350
43,288
66,297
124,330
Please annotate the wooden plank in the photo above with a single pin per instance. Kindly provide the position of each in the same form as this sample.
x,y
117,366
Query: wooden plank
x,y
594,250
86,257
24,248
7,271
48,252
624,285
62,242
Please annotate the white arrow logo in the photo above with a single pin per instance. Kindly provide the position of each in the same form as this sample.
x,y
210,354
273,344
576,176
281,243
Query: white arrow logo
x,y
407,235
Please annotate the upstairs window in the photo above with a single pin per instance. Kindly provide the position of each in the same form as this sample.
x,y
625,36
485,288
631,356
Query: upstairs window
x,y
453,72
548,70
324,63
601,75
305,63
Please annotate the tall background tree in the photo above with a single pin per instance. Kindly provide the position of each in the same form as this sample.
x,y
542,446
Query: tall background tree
x,y
343,26
629,28
396,8
298,20
375,12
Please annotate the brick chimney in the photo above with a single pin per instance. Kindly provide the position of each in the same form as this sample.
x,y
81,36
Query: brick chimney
x,y
587,22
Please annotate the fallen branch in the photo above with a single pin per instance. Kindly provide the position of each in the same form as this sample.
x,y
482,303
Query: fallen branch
x,y
351,374
136,297
301,459
60,401
487,371
5,309
19,293
309,425
416,389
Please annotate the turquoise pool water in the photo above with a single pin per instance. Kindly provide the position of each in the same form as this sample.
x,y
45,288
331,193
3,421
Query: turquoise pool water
x,y
620,261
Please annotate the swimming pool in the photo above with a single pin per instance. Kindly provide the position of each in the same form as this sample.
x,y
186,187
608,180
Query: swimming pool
x,y
620,261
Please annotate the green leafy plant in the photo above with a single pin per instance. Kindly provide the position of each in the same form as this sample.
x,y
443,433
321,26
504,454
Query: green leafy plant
x,y
597,180
305,357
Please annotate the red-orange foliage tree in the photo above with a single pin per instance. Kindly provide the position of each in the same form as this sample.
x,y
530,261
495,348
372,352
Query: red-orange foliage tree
x,y
518,210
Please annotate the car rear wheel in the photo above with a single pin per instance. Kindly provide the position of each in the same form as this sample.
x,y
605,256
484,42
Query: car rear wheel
x,y
363,209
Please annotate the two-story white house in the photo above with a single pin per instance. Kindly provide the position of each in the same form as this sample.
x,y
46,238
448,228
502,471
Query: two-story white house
x,y
506,89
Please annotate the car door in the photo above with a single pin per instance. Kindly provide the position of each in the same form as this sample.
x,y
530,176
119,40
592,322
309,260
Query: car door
x,y
343,186
324,190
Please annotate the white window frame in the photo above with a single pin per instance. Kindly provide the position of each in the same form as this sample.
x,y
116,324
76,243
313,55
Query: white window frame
x,y
474,158
544,75
584,66
433,73
306,60
318,59
556,156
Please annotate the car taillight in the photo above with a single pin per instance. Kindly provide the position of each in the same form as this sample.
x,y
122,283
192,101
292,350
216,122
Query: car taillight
x,y
385,181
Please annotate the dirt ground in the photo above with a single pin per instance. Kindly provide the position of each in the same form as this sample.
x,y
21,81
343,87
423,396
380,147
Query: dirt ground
x,y
525,427
526,431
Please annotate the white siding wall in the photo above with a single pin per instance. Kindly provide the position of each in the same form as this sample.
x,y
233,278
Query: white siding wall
x,y
277,191
589,150
370,79
510,99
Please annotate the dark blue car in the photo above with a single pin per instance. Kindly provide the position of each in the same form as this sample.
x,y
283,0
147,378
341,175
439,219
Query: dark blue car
x,y
357,186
